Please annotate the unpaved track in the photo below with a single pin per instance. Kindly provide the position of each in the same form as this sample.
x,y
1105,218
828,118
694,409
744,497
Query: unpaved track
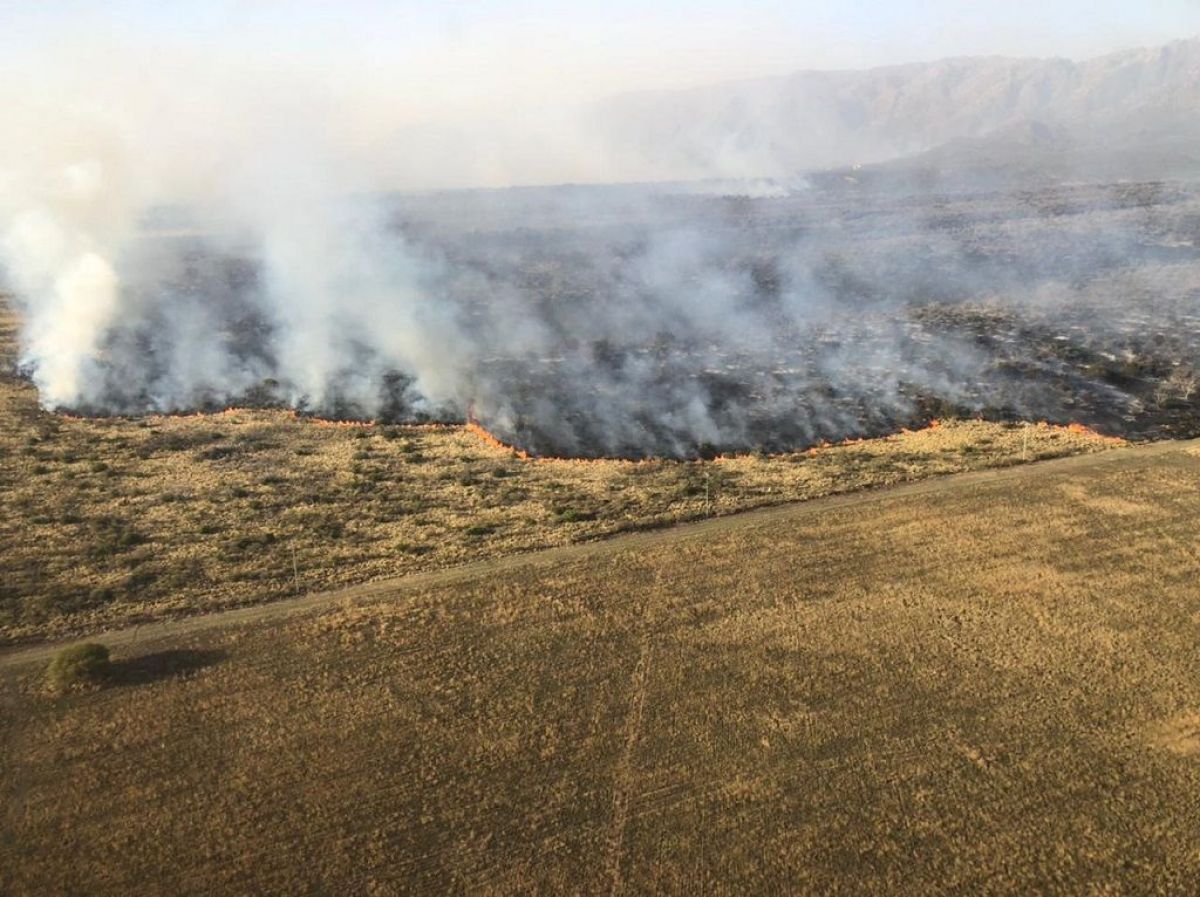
x,y
387,589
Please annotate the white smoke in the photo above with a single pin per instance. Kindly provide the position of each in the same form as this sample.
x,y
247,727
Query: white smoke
x,y
270,164
61,268
181,229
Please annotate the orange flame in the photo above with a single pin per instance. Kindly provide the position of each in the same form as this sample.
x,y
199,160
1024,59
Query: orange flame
x,y
1088,431
474,426
235,410
482,433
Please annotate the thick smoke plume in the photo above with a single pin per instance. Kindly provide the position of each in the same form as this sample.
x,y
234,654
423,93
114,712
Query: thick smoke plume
x,y
203,245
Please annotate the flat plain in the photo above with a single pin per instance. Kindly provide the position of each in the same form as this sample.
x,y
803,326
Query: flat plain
x,y
986,684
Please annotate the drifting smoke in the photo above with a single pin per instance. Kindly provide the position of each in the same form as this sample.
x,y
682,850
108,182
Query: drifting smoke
x,y
219,253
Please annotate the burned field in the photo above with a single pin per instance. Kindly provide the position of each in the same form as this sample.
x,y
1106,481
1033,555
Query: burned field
x,y
825,315
989,685
640,322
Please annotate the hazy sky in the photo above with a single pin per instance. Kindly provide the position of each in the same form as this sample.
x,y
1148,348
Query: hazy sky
x,y
459,92
455,52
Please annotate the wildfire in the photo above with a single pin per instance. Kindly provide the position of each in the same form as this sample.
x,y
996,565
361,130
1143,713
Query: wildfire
x,y
290,413
481,432
236,410
322,422
1088,431
474,426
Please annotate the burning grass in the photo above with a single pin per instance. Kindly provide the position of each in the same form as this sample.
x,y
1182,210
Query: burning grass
x,y
108,521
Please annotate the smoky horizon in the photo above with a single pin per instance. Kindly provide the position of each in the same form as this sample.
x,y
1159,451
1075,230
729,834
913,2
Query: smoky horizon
x,y
740,261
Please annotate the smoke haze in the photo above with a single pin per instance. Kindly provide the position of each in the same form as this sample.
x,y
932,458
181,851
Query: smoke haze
x,y
188,230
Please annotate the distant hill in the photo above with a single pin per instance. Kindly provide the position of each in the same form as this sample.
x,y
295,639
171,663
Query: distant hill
x,y
1132,111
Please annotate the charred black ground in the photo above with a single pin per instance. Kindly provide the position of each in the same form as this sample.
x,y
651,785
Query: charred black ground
x,y
637,322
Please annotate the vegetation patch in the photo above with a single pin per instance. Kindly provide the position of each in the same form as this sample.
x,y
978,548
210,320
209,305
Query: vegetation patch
x,y
79,666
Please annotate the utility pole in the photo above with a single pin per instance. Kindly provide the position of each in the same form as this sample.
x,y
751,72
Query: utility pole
x,y
295,571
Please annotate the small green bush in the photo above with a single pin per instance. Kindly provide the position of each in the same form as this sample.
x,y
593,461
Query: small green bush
x,y
78,666
571,515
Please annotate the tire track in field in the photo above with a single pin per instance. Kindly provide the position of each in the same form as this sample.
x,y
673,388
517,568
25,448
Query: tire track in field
x,y
624,775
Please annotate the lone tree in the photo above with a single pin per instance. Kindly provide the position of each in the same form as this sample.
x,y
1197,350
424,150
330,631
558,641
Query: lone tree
x,y
78,666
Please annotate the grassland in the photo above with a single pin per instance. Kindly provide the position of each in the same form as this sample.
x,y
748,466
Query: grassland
x,y
990,686
113,521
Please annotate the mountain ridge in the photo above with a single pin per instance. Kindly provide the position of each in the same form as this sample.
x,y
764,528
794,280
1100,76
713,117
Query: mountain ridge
x,y
813,120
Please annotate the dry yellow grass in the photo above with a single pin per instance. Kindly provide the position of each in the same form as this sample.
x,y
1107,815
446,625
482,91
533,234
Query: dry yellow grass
x,y
986,688
115,521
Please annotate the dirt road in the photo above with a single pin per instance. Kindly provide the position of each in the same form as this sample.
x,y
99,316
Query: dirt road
x,y
388,589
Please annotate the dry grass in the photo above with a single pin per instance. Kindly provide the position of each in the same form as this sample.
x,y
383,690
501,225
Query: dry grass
x,y
990,688
115,521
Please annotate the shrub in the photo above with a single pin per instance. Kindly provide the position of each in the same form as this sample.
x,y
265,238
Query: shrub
x,y
101,595
571,515
412,548
115,537
78,666
330,528
139,580
129,539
